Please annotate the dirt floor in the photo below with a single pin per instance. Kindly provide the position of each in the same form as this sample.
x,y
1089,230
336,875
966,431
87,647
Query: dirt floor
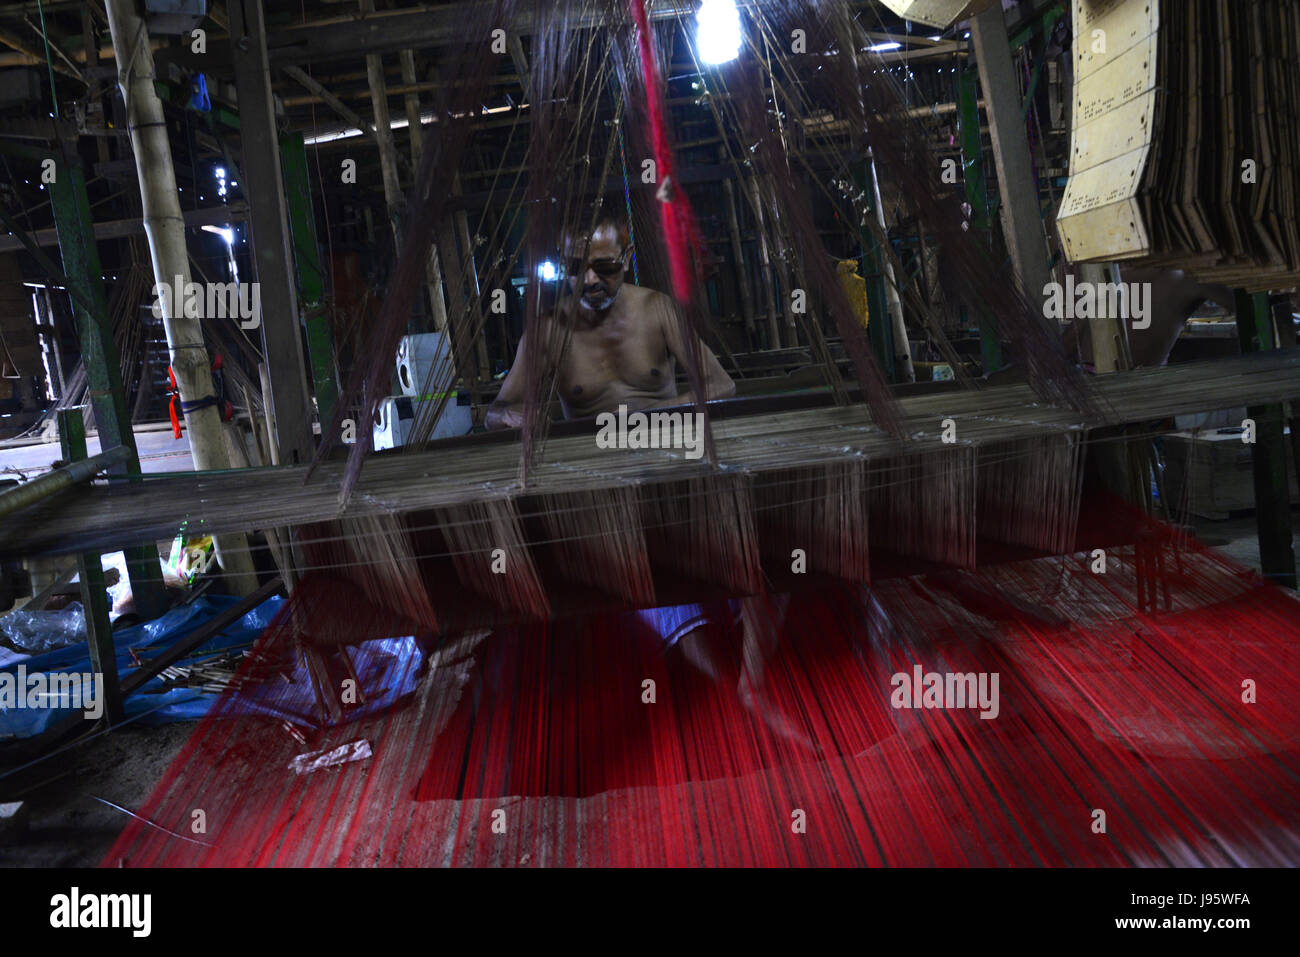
x,y
68,827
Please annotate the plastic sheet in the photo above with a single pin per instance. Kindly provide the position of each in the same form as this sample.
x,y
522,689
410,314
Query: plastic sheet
x,y
36,632
146,641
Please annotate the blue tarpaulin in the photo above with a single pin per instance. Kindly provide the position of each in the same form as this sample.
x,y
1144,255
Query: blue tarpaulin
x,y
148,640
388,668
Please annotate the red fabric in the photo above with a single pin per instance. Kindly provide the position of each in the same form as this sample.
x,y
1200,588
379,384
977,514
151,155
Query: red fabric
x,y
174,405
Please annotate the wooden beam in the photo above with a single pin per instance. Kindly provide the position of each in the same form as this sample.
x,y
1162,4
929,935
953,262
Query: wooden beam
x,y
17,43
1021,217
121,228
344,111
272,249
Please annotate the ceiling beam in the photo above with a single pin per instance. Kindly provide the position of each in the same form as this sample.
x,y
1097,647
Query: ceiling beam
x,y
339,107
121,228
387,31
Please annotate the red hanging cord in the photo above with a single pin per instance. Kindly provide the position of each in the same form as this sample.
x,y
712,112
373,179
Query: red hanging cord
x,y
680,233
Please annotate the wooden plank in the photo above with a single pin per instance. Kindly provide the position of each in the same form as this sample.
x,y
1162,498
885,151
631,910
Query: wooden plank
x,y
455,473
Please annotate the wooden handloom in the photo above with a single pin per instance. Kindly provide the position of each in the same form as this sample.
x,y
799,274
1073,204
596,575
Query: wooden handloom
x,y
421,528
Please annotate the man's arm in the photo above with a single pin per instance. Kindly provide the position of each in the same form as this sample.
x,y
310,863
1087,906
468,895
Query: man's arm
x,y
717,384
507,409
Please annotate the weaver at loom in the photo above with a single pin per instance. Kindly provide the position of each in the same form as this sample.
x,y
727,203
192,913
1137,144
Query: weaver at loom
x,y
621,349
947,623
622,346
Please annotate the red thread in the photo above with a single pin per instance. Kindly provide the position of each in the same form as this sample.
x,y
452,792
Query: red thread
x,y
174,404
681,236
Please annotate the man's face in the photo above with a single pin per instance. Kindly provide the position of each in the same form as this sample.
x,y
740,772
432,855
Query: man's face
x,y
594,270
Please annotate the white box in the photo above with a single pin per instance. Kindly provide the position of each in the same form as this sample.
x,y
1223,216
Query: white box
x,y
397,419
424,362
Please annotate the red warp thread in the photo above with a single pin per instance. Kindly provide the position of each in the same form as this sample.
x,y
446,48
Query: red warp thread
x,y
540,745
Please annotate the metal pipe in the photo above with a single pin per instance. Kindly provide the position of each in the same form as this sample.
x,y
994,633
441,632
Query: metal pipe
x,y
38,489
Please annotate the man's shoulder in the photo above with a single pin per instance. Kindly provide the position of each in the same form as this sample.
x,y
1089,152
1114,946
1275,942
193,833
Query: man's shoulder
x,y
647,295
648,302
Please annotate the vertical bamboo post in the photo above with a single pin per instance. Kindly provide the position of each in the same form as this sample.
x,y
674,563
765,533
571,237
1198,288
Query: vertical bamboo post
x,y
773,326
738,255
165,229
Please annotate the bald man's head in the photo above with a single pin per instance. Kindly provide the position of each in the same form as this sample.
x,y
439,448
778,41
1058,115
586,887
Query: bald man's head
x,y
594,263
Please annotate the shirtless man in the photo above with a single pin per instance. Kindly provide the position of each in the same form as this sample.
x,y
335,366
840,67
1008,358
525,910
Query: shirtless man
x,y
625,342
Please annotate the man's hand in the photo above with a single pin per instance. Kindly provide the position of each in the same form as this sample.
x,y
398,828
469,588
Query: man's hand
x,y
503,416
507,410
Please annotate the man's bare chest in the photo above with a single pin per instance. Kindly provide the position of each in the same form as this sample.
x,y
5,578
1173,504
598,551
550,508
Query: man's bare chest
x,y
623,356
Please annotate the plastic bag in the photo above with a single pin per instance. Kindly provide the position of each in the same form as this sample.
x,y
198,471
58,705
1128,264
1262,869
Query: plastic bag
x,y
35,632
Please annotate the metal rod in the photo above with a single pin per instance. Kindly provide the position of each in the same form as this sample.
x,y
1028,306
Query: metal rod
x,y
38,489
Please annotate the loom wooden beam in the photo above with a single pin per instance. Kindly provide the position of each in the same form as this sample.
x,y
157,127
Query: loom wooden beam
x,y
345,112
272,249
383,127
1021,219
36,56
738,260
457,472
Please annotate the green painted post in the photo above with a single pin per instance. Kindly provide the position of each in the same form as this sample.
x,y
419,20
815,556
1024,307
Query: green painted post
x,y
1269,452
972,152
880,330
81,266
94,597
311,279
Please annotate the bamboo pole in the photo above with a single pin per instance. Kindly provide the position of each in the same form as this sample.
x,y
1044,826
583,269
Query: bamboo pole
x,y
902,347
765,259
738,256
165,229
471,282
433,270
38,489
411,100
384,134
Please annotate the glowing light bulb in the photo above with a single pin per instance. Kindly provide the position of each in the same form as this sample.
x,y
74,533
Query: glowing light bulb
x,y
717,31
